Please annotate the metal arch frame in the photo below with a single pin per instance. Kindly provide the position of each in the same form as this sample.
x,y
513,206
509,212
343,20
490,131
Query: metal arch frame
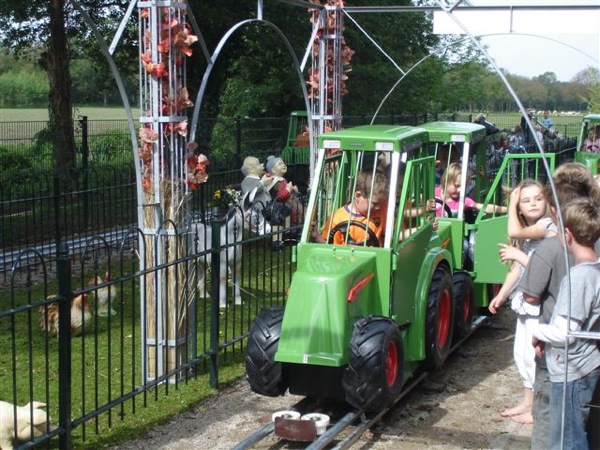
x,y
458,41
211,59
216,54
441,7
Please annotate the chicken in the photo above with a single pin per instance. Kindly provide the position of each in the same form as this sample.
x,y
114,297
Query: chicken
x,y
80,315
105,296
31,421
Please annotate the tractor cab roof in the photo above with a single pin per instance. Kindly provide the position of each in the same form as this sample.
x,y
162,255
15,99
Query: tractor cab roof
x,y
455,132
374,138
591,118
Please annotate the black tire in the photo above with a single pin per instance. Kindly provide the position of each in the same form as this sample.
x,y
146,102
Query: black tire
x,y
464,305
264,374
374,376
439,319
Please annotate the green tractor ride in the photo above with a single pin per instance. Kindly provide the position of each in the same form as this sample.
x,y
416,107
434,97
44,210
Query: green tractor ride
x,y
588,143
361,320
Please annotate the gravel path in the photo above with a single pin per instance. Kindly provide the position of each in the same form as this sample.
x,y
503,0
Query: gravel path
x,y
456,408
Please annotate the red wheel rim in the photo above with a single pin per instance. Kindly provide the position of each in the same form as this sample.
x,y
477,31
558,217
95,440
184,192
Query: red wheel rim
x,y
443,322
391,364
467,307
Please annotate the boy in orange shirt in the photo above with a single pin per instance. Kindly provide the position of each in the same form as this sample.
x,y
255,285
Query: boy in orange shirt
x,y
367,207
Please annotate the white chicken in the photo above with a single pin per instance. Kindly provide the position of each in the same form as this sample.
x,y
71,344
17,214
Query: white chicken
x,y
31,421
105,296
80,315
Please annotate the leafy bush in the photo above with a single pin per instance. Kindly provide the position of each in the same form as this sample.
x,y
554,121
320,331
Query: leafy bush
x,y
111,147
13,161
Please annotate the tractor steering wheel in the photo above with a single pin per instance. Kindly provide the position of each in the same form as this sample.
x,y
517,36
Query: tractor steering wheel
x,y
447,210
344,226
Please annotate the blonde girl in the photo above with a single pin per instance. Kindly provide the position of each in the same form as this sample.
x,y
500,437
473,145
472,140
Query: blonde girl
x,y
528,224
449,193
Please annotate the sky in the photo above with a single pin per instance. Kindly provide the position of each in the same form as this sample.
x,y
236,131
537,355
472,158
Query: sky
x,y
530,43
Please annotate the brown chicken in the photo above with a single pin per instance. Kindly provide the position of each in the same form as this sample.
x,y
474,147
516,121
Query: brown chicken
x,y
105,296
80,315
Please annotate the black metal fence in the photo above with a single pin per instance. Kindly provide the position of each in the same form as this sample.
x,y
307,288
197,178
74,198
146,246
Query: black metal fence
x,y
75,331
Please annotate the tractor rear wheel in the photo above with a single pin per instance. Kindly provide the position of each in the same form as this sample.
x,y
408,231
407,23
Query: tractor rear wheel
x,y
374,376
439,319
463,303
264,374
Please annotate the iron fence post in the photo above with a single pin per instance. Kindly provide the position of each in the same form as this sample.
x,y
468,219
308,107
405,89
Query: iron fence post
x,y
215,275
85,155
56,192
63,268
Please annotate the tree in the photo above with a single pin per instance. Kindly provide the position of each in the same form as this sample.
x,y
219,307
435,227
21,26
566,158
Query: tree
x,y
61,119
50,24
587,76
594,97
590,78
406,38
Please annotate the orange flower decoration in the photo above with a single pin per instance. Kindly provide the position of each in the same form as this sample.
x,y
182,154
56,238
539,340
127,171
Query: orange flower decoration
x,y
146,183
196,170
147,134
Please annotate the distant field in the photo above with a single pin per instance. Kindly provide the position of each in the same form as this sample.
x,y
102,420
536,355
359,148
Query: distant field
x,y
93,113
567,124
18,127
22,121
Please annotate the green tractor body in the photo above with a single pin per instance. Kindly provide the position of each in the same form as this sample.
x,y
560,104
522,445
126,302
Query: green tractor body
x,y
361,319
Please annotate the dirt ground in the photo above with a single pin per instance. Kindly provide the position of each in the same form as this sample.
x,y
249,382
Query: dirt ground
x,y
457,407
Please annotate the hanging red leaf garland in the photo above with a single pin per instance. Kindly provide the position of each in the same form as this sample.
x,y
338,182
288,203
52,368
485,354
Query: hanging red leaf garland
x,y
313,81
175,41
347,53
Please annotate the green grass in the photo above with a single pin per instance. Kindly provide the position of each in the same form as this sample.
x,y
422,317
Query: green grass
x,y
569,125
30,357
36,114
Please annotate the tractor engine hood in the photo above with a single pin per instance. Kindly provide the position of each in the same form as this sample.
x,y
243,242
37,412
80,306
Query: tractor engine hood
x,y
330,290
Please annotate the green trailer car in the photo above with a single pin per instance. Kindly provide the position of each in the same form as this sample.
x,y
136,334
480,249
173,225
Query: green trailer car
x,y
360,320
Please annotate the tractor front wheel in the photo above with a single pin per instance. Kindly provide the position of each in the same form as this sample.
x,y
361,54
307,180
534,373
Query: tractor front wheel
x,y
374,376
264,374
439,319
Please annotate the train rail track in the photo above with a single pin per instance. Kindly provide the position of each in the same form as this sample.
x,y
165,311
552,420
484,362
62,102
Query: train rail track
x,y
347,424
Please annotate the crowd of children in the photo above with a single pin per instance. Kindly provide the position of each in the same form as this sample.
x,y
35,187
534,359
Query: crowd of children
x,y
552,305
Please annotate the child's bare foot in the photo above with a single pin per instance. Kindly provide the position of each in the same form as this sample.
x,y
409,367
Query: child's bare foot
x,y
517,410
525,419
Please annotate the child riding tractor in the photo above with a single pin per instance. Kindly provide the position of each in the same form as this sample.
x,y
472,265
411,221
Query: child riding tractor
x,y
364,316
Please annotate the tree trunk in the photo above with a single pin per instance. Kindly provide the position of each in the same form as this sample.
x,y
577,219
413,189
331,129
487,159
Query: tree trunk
x,y
61,119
